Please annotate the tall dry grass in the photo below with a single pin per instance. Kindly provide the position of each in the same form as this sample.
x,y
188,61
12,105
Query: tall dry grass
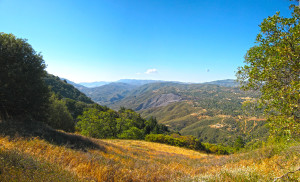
x,y
71,157
129,160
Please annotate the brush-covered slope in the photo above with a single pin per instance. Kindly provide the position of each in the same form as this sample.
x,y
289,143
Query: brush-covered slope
x,y
71,157
65,90
180,105
225,129
215,99
183,107
108,94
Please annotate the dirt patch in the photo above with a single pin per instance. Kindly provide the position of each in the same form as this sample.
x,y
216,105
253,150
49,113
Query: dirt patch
x,y
218,125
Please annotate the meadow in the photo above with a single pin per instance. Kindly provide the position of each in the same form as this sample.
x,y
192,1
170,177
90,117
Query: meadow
x,y
78,158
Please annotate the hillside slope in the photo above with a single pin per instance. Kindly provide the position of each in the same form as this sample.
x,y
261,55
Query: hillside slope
x,y
129,160
184,107
65,90
108,94
180,105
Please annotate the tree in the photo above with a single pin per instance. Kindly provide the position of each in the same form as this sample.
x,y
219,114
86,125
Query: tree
x,y
59,115
273,67
98,124
239,143
23,92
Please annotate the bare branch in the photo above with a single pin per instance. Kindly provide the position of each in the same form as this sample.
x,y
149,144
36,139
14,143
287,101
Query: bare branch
x,y
286,174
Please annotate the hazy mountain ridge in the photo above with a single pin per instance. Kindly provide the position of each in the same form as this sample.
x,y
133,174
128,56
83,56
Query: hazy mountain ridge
x,y
93,84
108,94
102,83
225,83
138,82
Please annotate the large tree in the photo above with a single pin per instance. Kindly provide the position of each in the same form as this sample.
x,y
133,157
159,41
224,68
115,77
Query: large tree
x,y
273,67
23,92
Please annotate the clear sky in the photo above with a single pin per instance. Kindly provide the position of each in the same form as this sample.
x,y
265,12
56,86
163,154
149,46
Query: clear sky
x,y
107,40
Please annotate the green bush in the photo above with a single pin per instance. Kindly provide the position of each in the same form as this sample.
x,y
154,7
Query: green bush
x,y
59,115
132,133
218,149
126,124
189,142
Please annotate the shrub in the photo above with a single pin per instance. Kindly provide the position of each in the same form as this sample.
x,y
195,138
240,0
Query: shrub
x,y
189,142
59,115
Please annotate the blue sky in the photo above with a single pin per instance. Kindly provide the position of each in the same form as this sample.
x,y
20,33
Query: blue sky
x,y
108,40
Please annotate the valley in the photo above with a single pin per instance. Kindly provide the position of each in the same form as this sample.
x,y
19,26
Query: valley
x,y
210,111
132,130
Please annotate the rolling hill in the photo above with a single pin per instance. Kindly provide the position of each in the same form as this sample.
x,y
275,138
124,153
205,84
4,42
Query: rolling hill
x,y
108,94
63,89
210,111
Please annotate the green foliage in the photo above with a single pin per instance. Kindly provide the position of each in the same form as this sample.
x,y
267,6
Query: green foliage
x,y
23,92
272,66
59,115
197,103
226,130
76,108
132,133
218,149
65,90
127,124
67,100
189,142
239,143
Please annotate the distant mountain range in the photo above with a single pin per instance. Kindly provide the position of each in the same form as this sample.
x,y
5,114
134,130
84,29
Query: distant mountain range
x,y
211,111
92,84
101,83
226,83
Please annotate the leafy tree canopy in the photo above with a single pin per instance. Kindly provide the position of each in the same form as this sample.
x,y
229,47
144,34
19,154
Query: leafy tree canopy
x,y
22,88
65,90
59,115
273,67
127,124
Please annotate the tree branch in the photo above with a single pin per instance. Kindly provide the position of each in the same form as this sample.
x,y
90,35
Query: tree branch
x,y
286,174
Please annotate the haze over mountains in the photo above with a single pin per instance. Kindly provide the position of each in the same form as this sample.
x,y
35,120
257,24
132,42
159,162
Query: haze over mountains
x,y
128,81
226,82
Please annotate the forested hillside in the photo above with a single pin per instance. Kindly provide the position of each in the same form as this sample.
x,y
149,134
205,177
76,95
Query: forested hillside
x,y
70,109
110,93
211,111
65,90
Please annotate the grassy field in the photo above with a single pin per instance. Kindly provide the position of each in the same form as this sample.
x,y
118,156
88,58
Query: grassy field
x,y
85,159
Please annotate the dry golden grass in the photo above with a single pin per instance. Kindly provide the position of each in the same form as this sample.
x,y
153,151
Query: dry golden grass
x,y
126,160
131,160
